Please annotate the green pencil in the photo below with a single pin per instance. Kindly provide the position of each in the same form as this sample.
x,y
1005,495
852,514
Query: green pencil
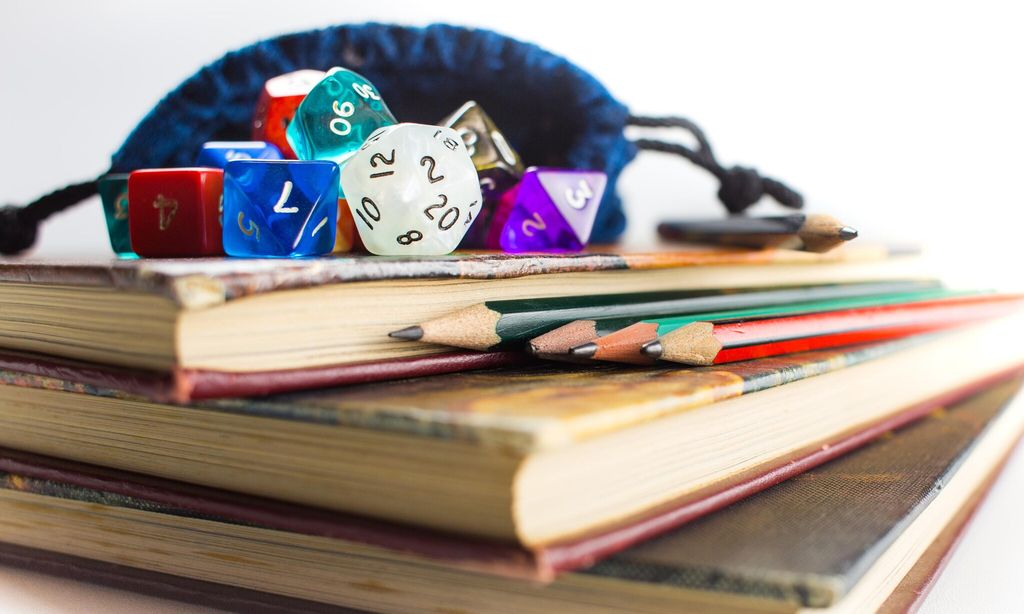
x,y
624,339
510,324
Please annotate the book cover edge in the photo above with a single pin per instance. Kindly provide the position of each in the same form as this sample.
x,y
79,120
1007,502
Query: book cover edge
x,y
205,282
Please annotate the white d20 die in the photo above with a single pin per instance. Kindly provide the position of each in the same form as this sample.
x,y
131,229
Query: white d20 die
x,y
413,190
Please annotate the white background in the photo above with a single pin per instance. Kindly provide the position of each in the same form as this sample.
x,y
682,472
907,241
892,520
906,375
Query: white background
x,y
903,120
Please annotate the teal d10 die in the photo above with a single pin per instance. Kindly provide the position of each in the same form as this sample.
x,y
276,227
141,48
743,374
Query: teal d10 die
x,y
114,194
337,115
280,209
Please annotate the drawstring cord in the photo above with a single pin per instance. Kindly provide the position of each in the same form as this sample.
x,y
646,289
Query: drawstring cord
x,y
740,186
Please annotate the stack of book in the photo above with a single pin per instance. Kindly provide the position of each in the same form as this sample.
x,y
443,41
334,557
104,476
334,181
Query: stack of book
x,y
245,434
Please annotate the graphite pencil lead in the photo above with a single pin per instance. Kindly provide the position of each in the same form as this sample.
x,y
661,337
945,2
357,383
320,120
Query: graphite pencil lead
x,y
847,233
409,333
584,351
652,349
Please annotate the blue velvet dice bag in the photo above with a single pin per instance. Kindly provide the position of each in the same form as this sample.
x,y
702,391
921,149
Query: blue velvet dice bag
x,y
551,111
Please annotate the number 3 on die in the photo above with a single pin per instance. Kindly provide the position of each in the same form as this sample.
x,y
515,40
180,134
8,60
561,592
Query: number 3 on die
x,y
579,197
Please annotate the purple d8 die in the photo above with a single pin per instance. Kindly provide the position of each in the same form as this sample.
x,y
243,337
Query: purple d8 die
x,y
552,210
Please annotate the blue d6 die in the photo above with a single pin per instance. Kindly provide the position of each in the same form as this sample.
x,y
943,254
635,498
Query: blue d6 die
x,y
280,209
216,154
337,115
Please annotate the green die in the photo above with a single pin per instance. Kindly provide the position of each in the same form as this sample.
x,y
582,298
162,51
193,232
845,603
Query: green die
x,y
114,194
335,118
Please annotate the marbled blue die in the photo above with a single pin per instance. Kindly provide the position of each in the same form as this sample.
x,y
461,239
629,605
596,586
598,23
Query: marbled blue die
x,y
216,154
280,209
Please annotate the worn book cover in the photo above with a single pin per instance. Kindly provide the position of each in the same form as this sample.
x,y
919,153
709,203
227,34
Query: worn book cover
x,y
204,328
842,535
200,282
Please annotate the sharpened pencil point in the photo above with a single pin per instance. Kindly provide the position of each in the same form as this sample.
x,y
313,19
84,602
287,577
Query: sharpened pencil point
x,y
587,350
410,333
652,349
846,233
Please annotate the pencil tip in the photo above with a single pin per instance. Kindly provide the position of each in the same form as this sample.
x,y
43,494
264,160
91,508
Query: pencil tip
x,y
410,333
587,350
652,349
847,233
532,349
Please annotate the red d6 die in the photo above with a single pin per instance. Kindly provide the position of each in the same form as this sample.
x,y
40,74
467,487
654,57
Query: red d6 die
x,y
277,104
178,212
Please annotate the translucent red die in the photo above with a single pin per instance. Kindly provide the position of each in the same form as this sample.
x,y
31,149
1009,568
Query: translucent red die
x,y
176,212
277,105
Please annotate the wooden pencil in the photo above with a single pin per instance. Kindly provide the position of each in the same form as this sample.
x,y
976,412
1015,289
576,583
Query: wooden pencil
x,y
810,232
708,343
510,324
621,340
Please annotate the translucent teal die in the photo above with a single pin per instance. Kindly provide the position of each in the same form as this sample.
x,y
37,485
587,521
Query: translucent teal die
x,y
114,194
337,115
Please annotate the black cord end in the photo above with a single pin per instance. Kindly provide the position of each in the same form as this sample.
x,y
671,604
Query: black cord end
x,y
742,187
17,230
20,225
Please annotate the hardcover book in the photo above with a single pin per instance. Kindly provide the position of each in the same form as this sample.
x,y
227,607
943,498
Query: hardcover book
x,y
864,532
566,465
192,329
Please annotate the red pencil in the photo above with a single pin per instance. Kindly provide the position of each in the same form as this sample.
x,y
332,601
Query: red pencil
x,y
706,343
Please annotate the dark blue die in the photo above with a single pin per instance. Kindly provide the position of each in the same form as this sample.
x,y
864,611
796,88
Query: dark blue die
x,y
280,209
216,154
